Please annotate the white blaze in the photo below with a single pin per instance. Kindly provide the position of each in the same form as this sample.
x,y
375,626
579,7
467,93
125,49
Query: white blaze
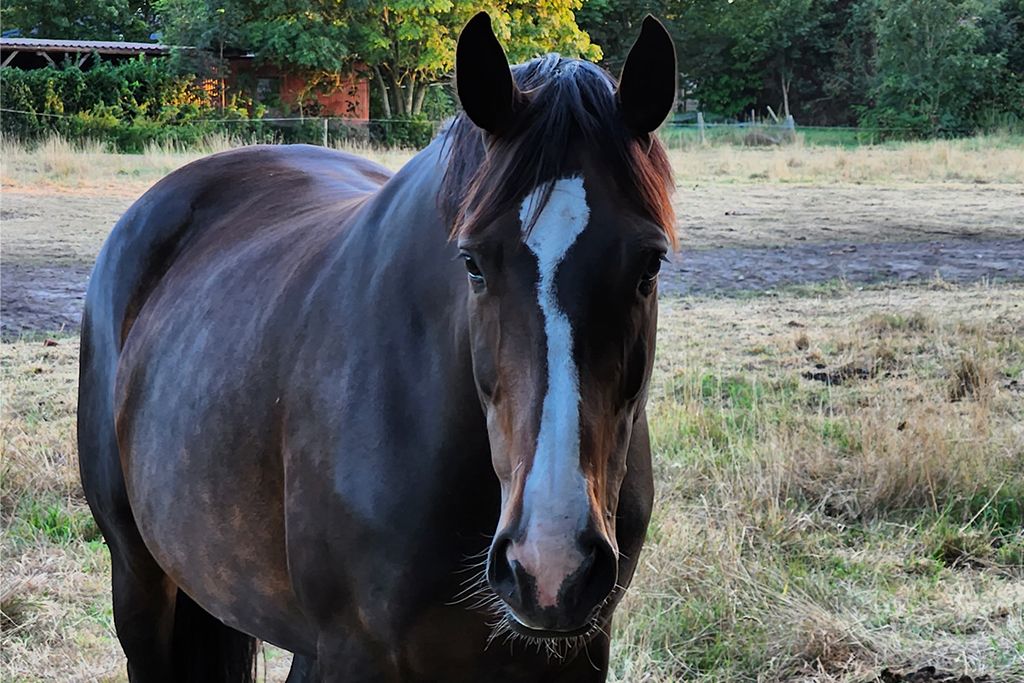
x,y
555,493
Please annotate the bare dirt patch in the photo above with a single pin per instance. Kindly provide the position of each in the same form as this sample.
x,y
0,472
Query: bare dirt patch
x,y
58,228
739,269
722,215
929,674
37,298
733,238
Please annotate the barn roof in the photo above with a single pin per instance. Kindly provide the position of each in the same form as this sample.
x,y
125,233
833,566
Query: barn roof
x,y
103,47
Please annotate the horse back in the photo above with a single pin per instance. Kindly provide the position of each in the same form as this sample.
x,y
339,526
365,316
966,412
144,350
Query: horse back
x,y
267,184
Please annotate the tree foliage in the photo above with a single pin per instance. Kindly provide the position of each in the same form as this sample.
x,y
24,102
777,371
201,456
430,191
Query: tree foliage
x,y
408,46
614,25
299,34
935,60
933,67
922,67
80,19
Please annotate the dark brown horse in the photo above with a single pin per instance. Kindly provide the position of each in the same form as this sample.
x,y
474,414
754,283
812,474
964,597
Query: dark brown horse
x,y
394,424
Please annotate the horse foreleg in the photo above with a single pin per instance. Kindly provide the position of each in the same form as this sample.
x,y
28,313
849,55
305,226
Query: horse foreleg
x,y
342,658
303,670
144,605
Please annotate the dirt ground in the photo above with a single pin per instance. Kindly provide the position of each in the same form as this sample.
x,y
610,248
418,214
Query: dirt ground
x,y
805,558
722,215
733,238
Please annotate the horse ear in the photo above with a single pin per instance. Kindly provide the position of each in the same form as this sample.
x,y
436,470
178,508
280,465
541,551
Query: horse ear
x,y
483,78
647,87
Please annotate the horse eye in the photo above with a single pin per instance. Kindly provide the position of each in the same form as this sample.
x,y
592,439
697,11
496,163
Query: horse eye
x,y
650,274
474,270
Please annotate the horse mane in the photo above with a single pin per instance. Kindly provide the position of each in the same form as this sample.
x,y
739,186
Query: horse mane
x,y
566,105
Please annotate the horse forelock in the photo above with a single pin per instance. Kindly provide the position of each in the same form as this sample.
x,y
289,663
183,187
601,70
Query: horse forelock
x,y
568,107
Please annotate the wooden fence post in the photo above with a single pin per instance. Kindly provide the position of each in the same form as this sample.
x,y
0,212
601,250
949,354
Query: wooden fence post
x,y
700,127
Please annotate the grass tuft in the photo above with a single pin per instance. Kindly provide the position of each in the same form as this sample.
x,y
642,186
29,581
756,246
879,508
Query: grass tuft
x,y
969,379
825,531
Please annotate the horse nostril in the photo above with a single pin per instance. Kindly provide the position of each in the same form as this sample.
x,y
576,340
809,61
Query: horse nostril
x,y
596,575
503,574
587,565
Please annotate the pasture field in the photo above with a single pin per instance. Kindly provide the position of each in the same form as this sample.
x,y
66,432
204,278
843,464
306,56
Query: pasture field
x,y
60,201
805,529
840,469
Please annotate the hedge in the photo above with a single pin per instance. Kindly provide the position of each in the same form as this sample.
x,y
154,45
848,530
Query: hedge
x,y
142,101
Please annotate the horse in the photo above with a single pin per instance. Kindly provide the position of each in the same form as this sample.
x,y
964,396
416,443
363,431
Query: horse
x,y
392,423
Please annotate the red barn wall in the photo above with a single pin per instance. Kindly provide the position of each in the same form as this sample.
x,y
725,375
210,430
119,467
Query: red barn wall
x,y
351,99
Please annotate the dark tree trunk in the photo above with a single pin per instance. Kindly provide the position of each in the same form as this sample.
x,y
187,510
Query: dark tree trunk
x,y
785,93
385,97
410,95
397,103
421,94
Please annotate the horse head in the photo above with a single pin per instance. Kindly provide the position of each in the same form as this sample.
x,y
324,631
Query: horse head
x,y
563,221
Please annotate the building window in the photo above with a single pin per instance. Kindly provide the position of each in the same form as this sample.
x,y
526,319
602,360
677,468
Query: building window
x,y
268,90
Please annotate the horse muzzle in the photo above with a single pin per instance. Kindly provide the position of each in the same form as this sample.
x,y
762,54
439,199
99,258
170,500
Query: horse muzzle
x,y
553,584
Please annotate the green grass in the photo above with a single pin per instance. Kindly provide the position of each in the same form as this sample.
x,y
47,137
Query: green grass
x,y
817,136
55,521
802,532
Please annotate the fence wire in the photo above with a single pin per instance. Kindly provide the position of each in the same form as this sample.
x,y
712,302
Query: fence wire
x,y
132,135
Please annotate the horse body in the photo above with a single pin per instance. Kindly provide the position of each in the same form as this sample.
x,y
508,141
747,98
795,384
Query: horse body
x,y
248,271
348,436
392,460
283,435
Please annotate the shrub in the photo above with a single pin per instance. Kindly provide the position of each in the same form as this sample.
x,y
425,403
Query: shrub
x,y
413,133
129,105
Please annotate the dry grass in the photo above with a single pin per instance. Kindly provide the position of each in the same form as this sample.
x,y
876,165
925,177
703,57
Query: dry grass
x,y
65,166
54,594
984,159
821,531
804,530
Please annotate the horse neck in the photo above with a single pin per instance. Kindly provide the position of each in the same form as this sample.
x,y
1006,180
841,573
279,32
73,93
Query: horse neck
x,y
400,231
411,193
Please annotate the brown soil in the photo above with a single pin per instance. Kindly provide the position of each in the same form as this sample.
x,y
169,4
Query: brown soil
x,y
41,298
732,269
724,215
929,674
733,238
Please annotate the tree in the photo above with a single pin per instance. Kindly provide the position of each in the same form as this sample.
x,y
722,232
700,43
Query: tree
x,y
210,27
407,45
848,76
410,44
615,24
739,54
81,19
305,36
933,64
789,38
